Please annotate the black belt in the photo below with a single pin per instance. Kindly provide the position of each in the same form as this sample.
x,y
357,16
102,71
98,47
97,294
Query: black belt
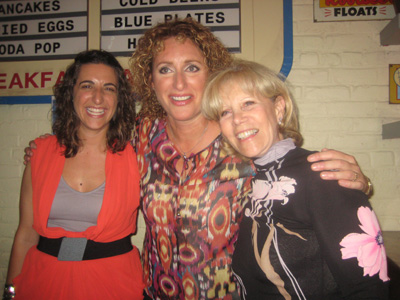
x,y
77,249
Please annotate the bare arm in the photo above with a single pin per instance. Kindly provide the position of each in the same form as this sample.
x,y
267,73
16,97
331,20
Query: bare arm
x,y
26,236
340,166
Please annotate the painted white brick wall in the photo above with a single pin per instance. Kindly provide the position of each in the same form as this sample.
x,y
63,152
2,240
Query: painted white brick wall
x,y
340,78
340,82
18,125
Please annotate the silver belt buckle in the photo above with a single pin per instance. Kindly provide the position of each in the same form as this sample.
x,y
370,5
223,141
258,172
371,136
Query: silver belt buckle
x,y
72,249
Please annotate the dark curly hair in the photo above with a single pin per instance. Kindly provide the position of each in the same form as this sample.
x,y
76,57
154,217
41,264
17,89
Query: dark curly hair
x,y
66,123
216,57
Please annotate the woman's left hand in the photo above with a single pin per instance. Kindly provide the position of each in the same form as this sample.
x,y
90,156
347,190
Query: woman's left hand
x,y
339,166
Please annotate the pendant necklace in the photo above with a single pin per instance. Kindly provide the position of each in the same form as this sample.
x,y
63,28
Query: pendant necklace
x,y
185,158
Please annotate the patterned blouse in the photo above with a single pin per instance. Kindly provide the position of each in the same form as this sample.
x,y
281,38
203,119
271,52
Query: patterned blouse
x,y
192,221
306,238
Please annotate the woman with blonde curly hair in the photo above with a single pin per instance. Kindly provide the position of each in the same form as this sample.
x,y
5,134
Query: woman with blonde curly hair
x,y
192,191
216,57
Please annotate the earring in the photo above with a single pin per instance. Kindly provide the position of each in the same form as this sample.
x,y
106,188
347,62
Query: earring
x,y
280,121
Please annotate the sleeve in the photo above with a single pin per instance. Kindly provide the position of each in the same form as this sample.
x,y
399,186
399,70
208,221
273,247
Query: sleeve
x,y
350,237
142,146
46,168
46,150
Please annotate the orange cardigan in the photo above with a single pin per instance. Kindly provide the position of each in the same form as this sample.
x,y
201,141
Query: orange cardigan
x,y
118,277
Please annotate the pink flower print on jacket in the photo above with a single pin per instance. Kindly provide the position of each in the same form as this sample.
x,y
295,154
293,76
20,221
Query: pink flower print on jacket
x,y
264,192
368,246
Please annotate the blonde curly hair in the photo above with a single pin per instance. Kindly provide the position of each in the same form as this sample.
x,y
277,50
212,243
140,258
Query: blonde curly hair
x,y
216,57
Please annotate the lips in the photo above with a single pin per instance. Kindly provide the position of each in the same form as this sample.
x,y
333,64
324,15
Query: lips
x,y
181,98
95,111
245,134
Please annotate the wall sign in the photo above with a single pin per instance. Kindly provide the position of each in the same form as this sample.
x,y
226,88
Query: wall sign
x,y
42,30
353,10
394,84
124,21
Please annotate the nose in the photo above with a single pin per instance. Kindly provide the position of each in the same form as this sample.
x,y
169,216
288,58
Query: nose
x,y
180,80
98,96
238,117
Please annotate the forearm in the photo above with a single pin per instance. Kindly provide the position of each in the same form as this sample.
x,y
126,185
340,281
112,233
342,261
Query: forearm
x,y
19,250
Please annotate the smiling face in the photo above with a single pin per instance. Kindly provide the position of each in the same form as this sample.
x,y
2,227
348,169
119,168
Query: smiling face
x,y
95,97
250,123
178,78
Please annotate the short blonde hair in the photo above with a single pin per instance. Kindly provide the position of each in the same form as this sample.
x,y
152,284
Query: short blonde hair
x,y
257,80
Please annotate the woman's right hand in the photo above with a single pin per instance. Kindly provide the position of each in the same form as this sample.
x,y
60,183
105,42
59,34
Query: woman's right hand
x,y
32,145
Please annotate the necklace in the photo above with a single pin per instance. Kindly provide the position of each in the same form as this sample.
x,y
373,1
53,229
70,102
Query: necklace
x,y
189,151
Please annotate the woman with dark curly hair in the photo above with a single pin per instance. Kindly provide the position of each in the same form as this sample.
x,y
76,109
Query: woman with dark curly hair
x,y
192,191
67,122
80,193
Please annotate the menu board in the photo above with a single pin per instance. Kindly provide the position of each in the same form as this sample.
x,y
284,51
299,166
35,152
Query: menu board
x,y
41,30
124,21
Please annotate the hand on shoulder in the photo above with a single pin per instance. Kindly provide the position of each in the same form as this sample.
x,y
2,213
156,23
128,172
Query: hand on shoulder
x,y
336,165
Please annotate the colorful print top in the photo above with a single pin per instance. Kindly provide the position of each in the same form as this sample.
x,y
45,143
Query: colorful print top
x,y
192,222
305,238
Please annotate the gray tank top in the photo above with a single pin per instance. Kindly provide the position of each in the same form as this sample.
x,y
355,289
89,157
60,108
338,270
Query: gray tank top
x,y
73,210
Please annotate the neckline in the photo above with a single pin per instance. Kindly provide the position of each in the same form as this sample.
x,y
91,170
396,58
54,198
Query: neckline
x,y
277,151
185,157
163,130
82,193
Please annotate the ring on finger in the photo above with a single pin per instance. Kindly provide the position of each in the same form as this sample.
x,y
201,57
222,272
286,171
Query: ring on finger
x,y
355,176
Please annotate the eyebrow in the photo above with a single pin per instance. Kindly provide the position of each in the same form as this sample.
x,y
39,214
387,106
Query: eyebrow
x,y
86,81
92,82
188,61
110,83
